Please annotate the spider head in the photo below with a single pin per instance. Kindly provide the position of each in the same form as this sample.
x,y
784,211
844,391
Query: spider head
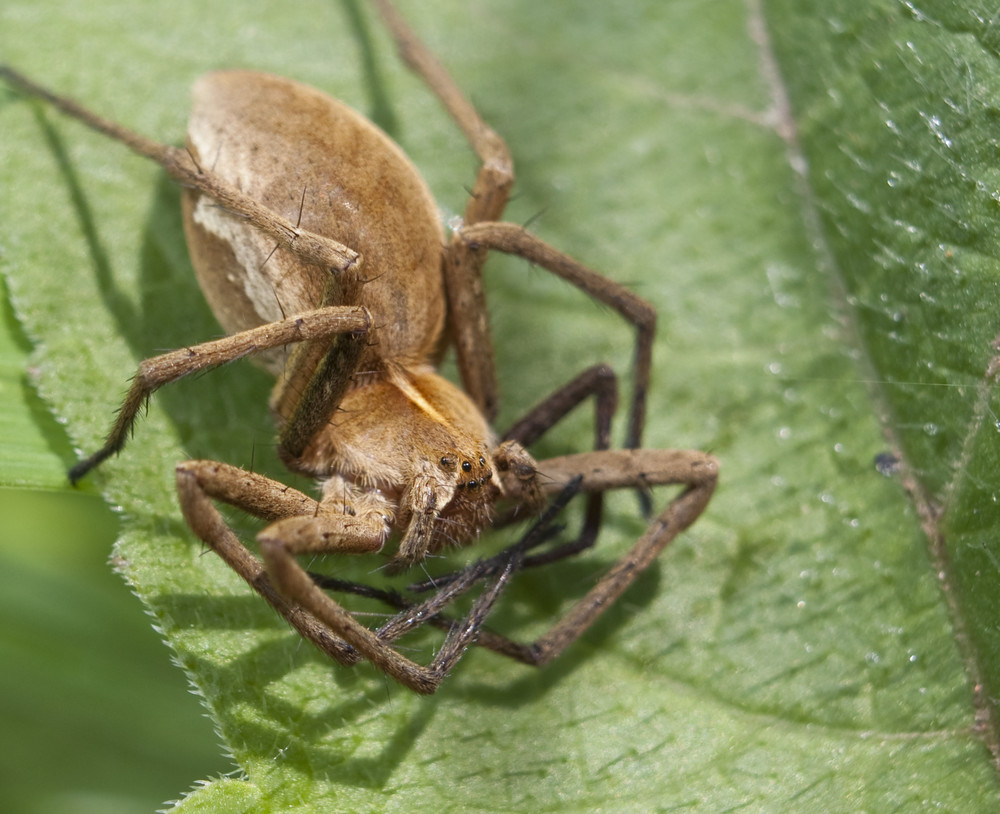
x,y
477,482
474,488
472,475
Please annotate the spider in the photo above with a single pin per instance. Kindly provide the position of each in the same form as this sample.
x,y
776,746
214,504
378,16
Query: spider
x,y
319,248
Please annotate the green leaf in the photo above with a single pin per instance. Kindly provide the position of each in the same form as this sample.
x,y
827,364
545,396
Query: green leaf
x,y
796,650
899,118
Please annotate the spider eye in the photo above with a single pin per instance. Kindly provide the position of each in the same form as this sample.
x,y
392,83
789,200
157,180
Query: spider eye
x,y
482,461
466,466
446,462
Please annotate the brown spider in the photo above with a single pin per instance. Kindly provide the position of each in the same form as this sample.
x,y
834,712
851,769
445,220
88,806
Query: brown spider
x,y
308,227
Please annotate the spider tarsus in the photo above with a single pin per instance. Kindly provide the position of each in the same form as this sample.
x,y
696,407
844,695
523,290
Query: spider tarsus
x,y
82,468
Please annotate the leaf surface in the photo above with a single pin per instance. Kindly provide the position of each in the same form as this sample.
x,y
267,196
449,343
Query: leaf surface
x,y
795,650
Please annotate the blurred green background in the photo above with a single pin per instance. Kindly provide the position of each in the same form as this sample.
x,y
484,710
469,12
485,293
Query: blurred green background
x,y
94,716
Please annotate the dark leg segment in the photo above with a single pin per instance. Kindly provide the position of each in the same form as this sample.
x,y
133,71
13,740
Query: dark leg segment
x,y
696,471
512,239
